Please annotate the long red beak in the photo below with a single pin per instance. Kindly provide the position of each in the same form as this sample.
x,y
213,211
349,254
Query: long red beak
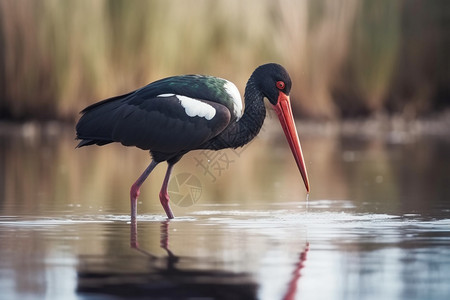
x,y
284,112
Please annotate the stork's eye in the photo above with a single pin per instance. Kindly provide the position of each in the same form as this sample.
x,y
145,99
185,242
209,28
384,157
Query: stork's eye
x,y
281,85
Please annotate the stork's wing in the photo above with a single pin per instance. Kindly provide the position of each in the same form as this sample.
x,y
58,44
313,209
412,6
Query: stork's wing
x,y
165,123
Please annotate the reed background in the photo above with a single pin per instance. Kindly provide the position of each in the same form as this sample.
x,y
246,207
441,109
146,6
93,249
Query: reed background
x,y
347,58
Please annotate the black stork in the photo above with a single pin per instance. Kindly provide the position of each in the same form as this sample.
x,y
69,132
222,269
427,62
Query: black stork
x,y
175,115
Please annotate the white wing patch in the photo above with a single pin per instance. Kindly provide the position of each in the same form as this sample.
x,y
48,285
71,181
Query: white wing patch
x,y
233,92
194,107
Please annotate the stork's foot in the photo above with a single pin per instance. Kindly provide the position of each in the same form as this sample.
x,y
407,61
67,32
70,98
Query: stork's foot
x,y
164,194
164,198
134,194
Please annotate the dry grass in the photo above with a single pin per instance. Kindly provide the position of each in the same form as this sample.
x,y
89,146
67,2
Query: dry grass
x,y
345,57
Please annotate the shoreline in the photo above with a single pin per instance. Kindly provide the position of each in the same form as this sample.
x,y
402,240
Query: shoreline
x,y
395,128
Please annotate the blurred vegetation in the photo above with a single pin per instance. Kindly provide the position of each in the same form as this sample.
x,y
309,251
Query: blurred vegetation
x,y
347,58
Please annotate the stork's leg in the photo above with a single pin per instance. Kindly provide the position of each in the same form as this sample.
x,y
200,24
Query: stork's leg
x,y
134,191
164,195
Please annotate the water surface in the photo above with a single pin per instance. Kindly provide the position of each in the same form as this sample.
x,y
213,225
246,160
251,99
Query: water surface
x,y
376,226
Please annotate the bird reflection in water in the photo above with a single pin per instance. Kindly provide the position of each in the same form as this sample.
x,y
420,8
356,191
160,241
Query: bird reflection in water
x,y
292,286
164,243
176,283
224,285
172,277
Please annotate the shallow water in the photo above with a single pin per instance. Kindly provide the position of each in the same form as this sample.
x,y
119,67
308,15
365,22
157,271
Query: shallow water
x,y
376,226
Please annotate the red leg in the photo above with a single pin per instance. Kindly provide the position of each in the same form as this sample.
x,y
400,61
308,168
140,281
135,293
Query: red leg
x,y
164,195
134,191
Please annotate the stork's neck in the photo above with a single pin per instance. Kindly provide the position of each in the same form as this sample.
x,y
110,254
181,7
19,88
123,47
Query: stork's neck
x,y
243,131
252,120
